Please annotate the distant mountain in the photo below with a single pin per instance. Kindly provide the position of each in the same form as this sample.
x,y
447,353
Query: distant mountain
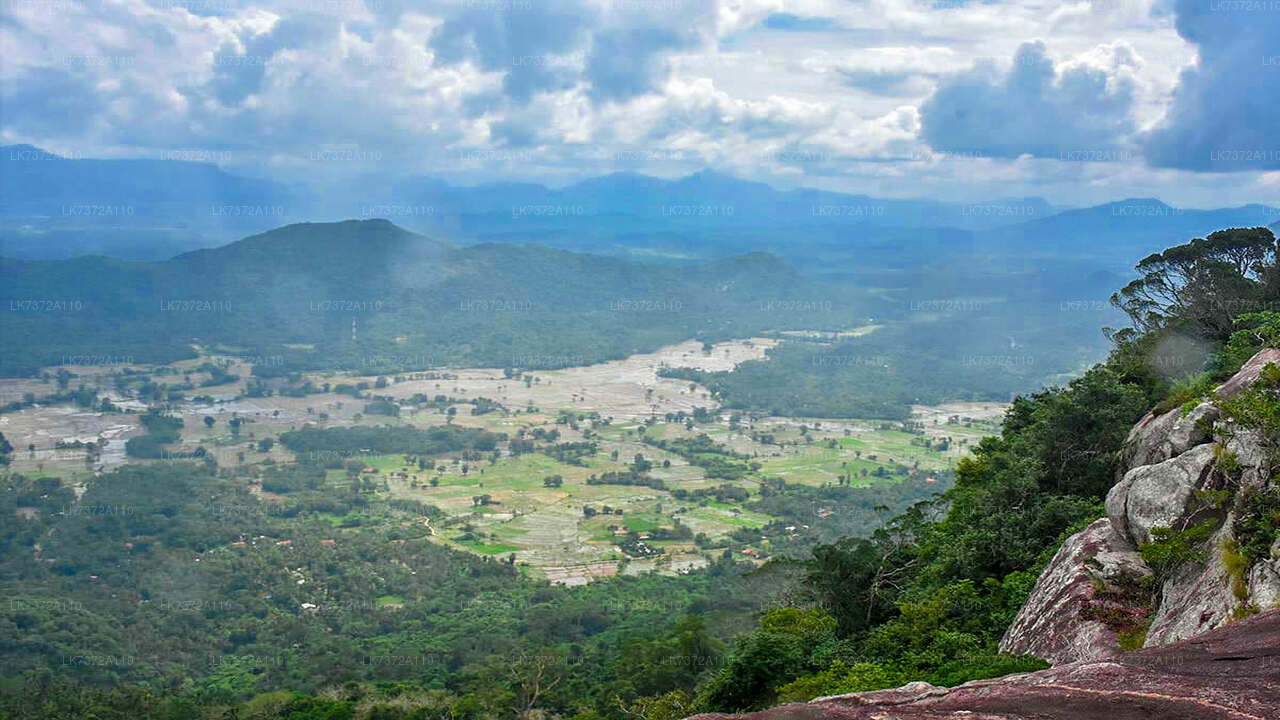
x,y
36,180
628,202
1127,230
53,207
371,295
149,209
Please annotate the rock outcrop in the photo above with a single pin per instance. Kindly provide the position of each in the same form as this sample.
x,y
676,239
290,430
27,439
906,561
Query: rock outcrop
x,y
1249,372
1157,438
1232,673
1158,495
1072,603
1092,591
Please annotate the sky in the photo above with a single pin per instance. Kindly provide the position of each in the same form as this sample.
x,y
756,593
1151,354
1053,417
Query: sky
x,y
1077,102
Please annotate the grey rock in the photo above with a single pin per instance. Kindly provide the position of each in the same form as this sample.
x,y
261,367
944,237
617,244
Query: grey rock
x,y
1157,438
1158,495
1251,453
1264,581
1055,623
1248,373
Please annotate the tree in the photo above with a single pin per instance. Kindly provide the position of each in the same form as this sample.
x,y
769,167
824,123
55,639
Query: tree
x,y
767,658
535,674
208,421
1206,282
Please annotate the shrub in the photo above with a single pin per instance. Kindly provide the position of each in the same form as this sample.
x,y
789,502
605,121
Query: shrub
x,y
1170,549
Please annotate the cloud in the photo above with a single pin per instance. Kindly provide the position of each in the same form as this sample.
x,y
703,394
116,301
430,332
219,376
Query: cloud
x,y
50,101
892,83
626,62
1225,115
853,94
617,48
796,23
1035,109
526,41
240,64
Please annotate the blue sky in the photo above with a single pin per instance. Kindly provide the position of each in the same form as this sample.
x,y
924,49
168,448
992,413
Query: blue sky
x,y
1078,102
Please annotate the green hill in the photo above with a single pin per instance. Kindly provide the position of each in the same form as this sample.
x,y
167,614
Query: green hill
x,y
371,295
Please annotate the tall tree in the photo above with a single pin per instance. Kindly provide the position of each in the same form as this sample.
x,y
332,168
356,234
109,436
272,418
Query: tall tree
x,y
1206,282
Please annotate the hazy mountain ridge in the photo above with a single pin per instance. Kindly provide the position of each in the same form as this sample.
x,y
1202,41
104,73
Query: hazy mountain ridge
x,y
154,209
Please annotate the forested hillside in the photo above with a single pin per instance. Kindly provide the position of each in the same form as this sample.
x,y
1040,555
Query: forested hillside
x,y
371,296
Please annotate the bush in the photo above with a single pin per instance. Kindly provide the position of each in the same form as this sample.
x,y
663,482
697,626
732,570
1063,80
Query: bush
x,y
1170,549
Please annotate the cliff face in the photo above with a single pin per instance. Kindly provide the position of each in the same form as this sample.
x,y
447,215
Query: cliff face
x,y
1232,673
1097,592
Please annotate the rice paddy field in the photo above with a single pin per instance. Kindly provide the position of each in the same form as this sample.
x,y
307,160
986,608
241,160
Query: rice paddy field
x,y
567,529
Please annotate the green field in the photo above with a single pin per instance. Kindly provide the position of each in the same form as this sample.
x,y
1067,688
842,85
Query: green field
x,y
501,503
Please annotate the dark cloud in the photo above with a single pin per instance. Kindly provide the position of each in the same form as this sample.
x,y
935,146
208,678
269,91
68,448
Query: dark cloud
x,y
627,62
1030,111
547,46
1225,115
238,74
527,42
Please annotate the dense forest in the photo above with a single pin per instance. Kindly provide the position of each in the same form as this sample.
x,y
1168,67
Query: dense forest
x,y
168,592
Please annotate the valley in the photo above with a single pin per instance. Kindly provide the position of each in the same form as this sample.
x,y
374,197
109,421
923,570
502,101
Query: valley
x,y
528,501
639,360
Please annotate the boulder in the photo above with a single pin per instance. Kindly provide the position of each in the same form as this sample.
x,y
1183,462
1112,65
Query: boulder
x,y
1158,495
1251,454
1157,438
1071,613
1228,674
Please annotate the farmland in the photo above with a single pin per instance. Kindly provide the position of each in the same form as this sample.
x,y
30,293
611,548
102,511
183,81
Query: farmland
x,y
548,497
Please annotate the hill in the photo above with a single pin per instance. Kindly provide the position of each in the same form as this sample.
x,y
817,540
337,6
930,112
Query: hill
x,y
372,295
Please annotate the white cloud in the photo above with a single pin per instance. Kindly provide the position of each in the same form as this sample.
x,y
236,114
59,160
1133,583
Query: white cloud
x,y
581,87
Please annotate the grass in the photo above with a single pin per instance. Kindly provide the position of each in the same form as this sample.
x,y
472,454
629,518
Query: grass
x,y
494,548
722,514
334,520
642,523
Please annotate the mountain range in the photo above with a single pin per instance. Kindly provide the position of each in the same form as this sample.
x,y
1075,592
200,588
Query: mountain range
x,y
154,209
